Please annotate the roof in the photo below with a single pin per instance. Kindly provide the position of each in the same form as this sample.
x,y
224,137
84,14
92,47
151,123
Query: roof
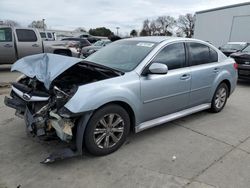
x,y
156,39
224,7
159,39
243,43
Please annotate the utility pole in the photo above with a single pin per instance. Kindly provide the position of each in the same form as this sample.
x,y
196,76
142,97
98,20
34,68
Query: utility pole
x,y
43,24
117,28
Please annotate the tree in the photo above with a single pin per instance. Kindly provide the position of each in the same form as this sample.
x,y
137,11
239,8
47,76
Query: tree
x,y
10,23
39,24
165,24
145,28
133,33
185,24
80,29
143,33
153,28
101,31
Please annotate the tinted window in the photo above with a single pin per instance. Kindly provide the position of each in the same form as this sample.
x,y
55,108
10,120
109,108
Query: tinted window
x,y
213,55
26,35
5,35
49,35
43,35
172,55
198,53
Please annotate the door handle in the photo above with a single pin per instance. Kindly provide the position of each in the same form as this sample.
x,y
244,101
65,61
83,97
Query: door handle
x,y
8,46
35,45
185,77
216,70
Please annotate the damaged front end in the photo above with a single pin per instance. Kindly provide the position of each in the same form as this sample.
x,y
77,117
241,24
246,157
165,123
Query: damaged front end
x,y
40,109
40,97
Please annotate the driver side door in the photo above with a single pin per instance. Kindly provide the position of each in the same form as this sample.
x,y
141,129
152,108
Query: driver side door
x,y
163,94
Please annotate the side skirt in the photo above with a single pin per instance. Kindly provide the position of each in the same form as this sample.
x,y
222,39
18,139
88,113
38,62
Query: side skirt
x,y
171,117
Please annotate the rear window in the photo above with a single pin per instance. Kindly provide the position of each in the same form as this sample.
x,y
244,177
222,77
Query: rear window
x,y
5,35
26,35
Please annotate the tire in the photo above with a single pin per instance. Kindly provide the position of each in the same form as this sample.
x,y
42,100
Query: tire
x,y
102,137
220,98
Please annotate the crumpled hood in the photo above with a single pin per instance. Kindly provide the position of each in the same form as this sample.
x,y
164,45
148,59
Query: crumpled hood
x,y
45,67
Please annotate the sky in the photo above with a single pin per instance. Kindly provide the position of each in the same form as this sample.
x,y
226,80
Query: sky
x,y
126,14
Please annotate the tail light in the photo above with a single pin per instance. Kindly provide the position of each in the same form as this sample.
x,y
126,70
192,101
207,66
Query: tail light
x,y
236,66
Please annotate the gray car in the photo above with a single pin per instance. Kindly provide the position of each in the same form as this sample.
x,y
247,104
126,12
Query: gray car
x,y
132,84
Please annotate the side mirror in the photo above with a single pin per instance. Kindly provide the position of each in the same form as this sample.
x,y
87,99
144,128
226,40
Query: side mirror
x,y
158,68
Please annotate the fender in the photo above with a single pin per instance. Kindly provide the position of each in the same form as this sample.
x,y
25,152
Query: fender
x,y
224,75
97,94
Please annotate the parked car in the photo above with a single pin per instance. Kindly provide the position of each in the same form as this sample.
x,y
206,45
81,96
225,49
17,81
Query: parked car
x,y
132,84
243,60
232,47
83,42
86,51
16,43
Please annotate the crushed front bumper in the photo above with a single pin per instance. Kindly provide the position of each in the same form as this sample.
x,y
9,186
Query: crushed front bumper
x,y
23,111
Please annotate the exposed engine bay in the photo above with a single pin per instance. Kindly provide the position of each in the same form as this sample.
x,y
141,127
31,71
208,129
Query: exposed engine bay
x,y
43,109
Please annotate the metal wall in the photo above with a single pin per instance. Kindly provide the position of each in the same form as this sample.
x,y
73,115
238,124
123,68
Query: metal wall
x,y
225,24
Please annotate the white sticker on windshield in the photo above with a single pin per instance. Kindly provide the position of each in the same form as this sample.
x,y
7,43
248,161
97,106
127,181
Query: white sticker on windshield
x,y
145,44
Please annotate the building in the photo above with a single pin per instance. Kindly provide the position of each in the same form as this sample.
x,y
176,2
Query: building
x,y
224,24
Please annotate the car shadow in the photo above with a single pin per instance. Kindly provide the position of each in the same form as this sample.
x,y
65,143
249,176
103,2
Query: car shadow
x,y
244,82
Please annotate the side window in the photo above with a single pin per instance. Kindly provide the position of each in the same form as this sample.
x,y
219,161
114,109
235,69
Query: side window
x,y
43,35
26,35
5,35
49,35
198,53
213,55
172,55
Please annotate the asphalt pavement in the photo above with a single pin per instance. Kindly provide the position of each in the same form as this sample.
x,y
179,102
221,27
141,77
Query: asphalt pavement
x,y
203,150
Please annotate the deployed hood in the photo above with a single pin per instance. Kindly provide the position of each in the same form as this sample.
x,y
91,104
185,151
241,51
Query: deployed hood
x,y
45,67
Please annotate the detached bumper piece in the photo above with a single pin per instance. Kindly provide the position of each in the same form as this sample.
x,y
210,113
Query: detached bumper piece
x,y
60,155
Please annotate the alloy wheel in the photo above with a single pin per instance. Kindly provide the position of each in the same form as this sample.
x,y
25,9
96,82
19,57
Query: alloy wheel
x,y
108,130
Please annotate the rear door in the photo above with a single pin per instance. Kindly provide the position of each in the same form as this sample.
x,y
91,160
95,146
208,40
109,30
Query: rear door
x,y
203,61
28,43
167,93
7,47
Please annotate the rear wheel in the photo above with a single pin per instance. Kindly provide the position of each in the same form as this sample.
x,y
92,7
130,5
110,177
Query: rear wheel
x,y
220,98
107,130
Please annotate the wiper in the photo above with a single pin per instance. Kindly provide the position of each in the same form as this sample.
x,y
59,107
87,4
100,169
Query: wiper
x,y
117,72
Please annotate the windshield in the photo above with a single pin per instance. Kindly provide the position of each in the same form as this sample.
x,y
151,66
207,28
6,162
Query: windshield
x,y
98,43
247,49
233,46
122,55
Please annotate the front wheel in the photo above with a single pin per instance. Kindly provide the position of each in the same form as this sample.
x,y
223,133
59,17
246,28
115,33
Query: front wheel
x,y
107,130
220,98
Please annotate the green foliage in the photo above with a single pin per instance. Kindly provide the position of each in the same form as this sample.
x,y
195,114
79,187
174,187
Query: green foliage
x,y
133,33
101,31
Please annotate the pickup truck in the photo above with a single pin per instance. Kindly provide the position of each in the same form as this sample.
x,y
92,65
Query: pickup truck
x,y
16,43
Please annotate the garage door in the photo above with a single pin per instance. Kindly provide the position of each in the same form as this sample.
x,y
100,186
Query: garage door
x,y
240,29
